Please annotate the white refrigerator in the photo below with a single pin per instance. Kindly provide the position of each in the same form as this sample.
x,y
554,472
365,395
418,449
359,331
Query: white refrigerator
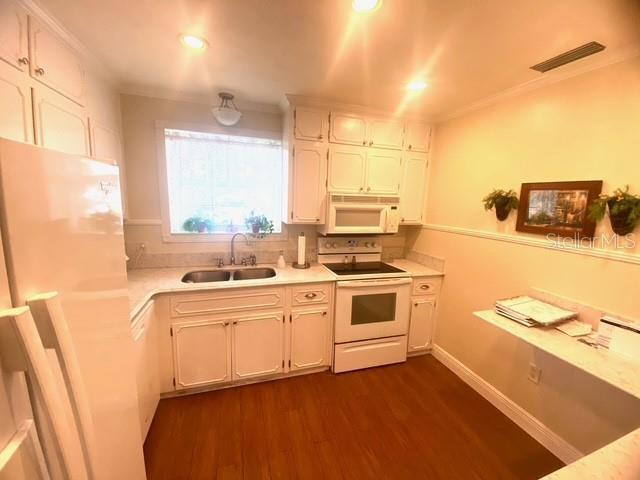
x,y
61,221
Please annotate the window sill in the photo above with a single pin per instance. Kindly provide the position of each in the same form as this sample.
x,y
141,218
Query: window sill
x,y
219,237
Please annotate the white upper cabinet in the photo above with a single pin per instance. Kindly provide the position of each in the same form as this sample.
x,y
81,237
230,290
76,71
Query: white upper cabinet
x,y
55,64
417,137
310,338
105,143
384,172
348,129
309,124
258,347
413,187
16,116
14,39
347,168
201,353
385,133
60,124
308,185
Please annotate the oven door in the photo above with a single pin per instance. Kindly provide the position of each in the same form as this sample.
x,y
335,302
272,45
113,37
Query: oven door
x,y
357,218
367,309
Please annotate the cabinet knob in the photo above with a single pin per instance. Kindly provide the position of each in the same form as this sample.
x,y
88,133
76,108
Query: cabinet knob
x,y
39,71
361,188
324,313
409,147
319,137
364,142
310,295
317,219
371,143
368,189
424,287
23,61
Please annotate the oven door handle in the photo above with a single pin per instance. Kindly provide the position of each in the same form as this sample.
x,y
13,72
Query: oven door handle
x,y
378,282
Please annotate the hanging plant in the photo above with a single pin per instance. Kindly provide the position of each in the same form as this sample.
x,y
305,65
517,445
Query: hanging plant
x,y
197,224
503,201
624,210
259,225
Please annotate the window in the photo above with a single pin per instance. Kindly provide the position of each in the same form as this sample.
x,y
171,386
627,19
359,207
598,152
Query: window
x,y
223,179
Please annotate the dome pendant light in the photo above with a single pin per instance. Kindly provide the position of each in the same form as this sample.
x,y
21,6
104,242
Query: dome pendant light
x,y
227,113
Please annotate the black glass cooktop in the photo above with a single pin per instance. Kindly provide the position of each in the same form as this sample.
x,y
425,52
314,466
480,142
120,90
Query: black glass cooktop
x,y
362,268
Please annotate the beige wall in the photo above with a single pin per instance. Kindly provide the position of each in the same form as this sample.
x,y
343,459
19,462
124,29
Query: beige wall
x,y
586,127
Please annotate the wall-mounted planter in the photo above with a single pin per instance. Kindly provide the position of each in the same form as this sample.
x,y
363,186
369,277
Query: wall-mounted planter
x,y
620,221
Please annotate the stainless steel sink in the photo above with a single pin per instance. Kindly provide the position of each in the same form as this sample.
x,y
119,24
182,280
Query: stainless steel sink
x,y
254,273
202,276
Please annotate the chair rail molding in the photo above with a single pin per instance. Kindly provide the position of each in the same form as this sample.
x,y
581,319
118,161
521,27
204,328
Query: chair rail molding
x,y
614,255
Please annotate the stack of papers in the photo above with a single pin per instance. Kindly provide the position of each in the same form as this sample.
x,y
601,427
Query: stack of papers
x,y
530,312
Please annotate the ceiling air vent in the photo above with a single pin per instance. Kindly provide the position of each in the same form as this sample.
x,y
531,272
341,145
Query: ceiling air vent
x,y
568,57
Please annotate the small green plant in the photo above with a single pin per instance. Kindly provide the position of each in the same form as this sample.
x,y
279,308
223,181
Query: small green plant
x,y
624,210
258,225
197,224
503,201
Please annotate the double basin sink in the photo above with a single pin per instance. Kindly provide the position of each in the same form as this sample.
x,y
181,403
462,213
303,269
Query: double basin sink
x,y
204,276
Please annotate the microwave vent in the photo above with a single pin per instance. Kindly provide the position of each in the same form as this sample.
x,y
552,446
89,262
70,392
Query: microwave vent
x,y
364,199
568,57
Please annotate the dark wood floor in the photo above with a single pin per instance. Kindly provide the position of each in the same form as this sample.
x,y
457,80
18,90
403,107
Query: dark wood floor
x,y
413,420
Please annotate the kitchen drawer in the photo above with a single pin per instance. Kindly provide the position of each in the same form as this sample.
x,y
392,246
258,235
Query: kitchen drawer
x,y
426,286
369,353
311,294
226,301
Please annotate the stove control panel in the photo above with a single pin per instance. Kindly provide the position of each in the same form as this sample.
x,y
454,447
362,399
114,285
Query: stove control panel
x,y
335,245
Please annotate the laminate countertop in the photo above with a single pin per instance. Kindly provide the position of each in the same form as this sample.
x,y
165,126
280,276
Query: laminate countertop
x,y
144,283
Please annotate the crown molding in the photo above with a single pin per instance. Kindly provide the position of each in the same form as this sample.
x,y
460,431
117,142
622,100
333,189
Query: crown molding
x,y
544,80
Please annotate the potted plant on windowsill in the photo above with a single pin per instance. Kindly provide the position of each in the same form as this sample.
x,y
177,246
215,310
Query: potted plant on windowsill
x,y
624,210
259,225
197,224
503,201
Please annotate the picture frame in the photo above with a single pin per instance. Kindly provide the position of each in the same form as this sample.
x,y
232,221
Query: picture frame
x,y
558,208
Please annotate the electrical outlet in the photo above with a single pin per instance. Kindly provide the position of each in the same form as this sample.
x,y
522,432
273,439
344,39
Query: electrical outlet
x,y
534,373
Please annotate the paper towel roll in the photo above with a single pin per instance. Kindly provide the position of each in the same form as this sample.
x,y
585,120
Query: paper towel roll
x,y
302,247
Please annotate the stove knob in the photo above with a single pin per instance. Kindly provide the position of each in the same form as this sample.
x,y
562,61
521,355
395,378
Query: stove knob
x,y
367,244
373,245
327,245
334,245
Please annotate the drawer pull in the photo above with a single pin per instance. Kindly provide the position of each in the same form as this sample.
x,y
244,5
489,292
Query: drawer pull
x,y
425,287
39,71
311,295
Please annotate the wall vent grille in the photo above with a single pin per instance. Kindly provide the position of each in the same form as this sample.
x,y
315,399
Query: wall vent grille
x,y
568,57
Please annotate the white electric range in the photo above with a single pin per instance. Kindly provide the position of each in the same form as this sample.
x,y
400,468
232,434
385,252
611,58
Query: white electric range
x,y
372,303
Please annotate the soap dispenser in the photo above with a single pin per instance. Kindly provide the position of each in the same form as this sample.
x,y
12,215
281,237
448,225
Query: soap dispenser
x,y
281,263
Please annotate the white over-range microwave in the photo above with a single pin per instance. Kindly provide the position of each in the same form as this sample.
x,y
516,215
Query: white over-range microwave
x,y
352,214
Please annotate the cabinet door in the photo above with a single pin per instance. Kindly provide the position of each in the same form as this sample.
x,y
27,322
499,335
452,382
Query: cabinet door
x,y
105,143
348,128
385,133
417,137
310,338
413,185
60,124
258,345
310,124
309,183
14,46
55,64
346,169
147,372
201,353
16,117
384,172
421,326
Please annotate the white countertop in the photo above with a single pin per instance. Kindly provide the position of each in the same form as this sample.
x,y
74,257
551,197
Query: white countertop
x,y
620,460
147,282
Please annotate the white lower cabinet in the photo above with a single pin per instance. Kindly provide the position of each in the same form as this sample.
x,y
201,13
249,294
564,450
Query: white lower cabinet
x,y
201,352
422,322
258,348
310,337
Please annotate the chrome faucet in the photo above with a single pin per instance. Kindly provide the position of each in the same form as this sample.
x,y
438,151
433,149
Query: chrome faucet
x,y
233,248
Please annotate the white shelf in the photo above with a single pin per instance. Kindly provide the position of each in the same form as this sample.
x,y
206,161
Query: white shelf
x,y
609,367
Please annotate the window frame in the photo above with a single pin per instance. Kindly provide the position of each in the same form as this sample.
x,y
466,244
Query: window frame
x,y
163,186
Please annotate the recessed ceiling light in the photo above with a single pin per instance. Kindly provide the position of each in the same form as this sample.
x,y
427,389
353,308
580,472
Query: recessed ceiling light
x,y
365,5
416,85
194,42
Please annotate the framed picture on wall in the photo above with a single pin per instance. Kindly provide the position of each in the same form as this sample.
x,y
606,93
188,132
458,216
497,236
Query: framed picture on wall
x,y
558,208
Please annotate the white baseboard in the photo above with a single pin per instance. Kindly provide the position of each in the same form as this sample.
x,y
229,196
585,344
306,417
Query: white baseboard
x,y
551,441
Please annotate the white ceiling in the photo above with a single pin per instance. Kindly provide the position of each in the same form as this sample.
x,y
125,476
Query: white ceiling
x,y
261,49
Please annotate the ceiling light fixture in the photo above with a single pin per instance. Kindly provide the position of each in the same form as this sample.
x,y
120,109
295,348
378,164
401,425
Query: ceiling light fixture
x,y
226,114
191,41
416,85
365,5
